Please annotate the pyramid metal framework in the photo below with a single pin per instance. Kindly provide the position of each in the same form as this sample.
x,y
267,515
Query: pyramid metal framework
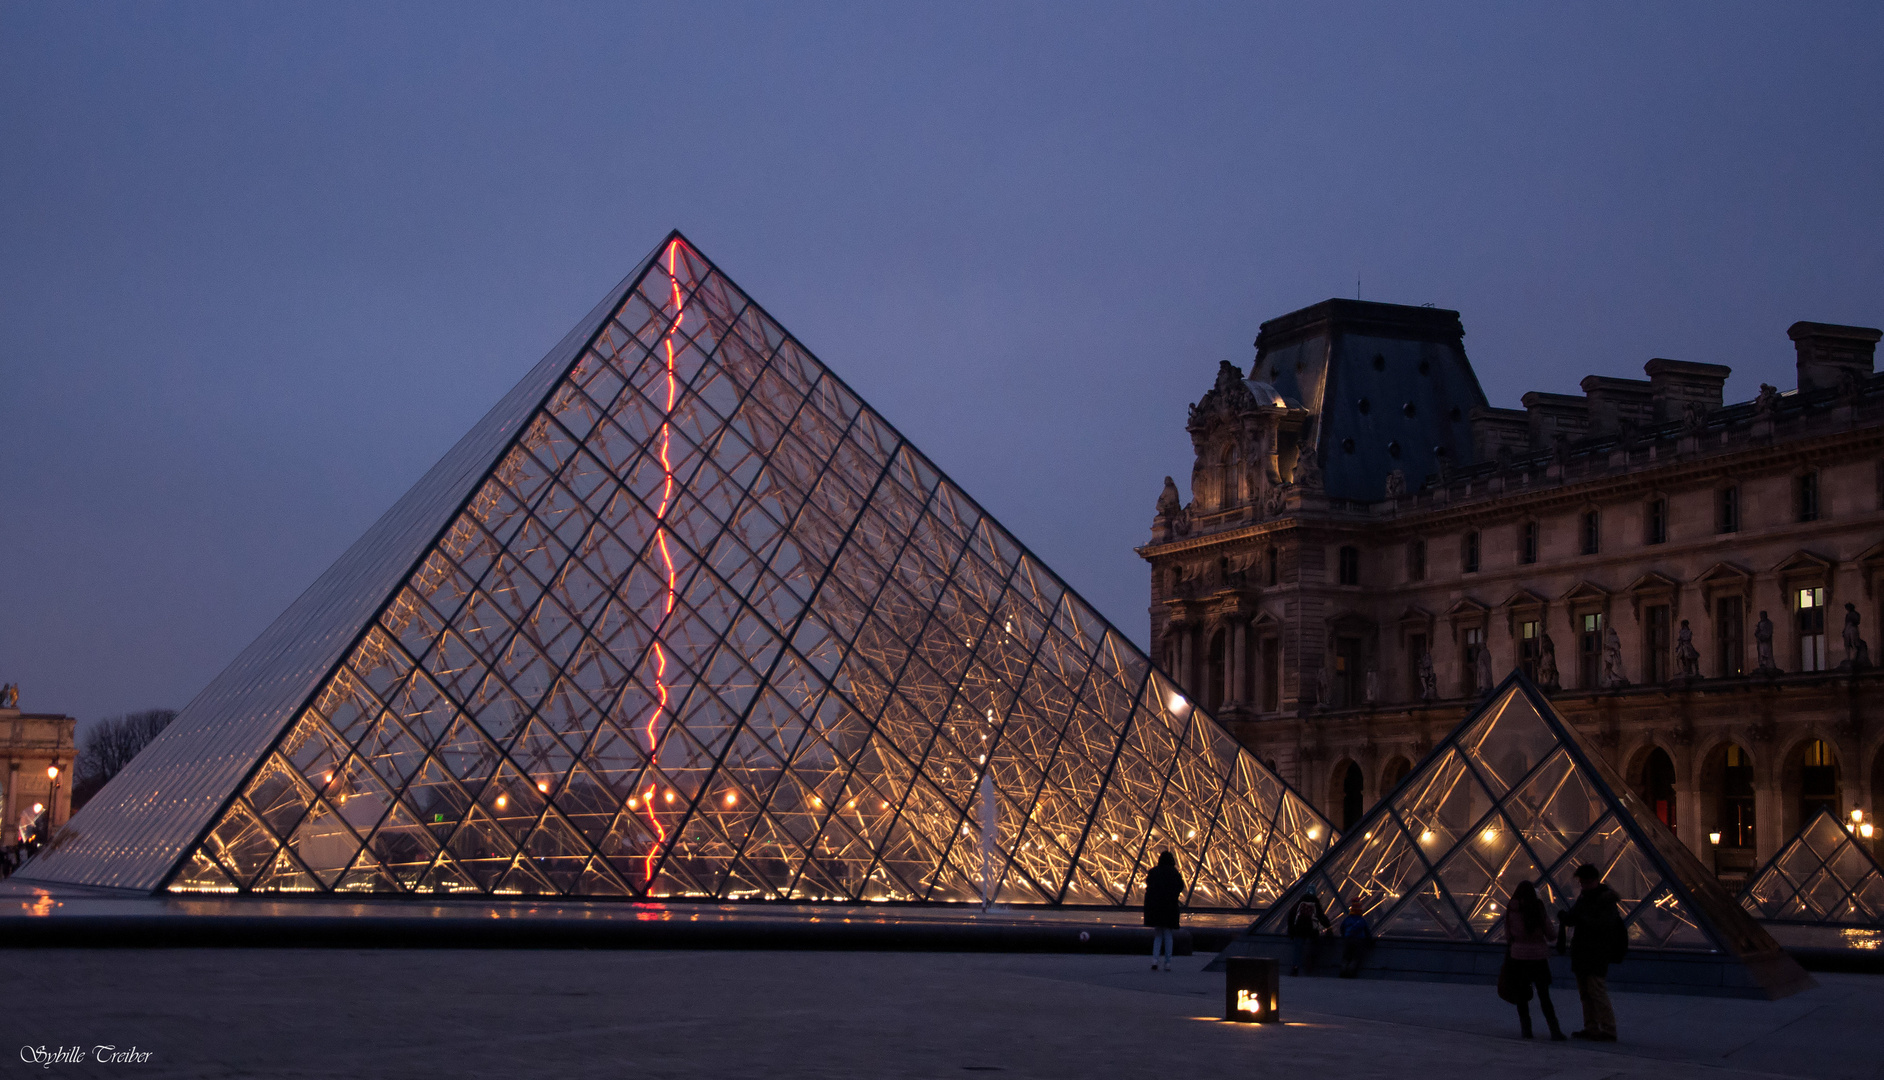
x,y
1513,795
684,617
1823,877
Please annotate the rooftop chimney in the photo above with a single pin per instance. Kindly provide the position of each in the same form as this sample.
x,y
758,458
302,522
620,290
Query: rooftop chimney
x,y
1827,352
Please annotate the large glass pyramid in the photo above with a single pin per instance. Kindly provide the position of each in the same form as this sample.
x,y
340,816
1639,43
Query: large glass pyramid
x,y
1513,795
686,618
1824,877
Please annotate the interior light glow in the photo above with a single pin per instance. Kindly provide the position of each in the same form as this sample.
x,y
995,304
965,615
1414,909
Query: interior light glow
x,y
52,772
39,808
543,786
1713,838
1490,834
1865,830
1192,835
815,801
1857,815
1426,836
503,801
670,795
1314,832
1178,703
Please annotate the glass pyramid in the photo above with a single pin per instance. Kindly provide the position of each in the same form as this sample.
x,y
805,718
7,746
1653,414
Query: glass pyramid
x,y
686,618
1512,795
1824,877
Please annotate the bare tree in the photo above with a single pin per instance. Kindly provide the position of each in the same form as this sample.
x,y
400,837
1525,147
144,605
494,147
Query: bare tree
x,y
109,745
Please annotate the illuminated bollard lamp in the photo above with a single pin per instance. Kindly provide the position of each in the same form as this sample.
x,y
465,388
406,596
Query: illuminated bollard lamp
x,y
1250,989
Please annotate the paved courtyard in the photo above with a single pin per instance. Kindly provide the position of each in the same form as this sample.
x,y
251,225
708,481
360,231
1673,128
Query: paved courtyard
x,y
422,1013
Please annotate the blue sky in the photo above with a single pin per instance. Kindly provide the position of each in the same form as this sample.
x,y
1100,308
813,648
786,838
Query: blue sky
x,y
261,264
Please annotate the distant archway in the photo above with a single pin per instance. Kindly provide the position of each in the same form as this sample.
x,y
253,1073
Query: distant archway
x,y
1353,785
1811,781
1395,772
1654,783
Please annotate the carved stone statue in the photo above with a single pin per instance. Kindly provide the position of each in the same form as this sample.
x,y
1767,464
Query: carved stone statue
x,y
1767,403
1307,473
1547,664
1429,682
1277,502
1168,501
1373,686
1324,685
1763,645
1857,654
1694,418
1396,483
1687,658
10,696
1484,671
1611,677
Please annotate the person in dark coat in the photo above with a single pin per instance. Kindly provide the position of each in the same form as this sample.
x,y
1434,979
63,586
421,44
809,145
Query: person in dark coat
x,y
1355,934
1598,924
1164,890
1302,931
1528,932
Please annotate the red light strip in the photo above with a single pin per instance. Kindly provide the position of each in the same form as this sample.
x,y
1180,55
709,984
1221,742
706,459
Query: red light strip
x,y
667,558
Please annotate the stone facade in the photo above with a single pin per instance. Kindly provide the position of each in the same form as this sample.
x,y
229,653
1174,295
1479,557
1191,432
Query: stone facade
x,y
34,743
1369,545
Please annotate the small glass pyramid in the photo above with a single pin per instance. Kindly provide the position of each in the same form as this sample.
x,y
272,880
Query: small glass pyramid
x,y
1824,877
1512,795
686,618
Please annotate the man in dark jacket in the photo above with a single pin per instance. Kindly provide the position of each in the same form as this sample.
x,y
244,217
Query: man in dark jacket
x,y
1598,924
1164,893
1303,932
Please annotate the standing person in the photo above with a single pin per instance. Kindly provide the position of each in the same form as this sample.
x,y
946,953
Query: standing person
x,y
1303,933
1355,934
1528,932
1599,933
1164,888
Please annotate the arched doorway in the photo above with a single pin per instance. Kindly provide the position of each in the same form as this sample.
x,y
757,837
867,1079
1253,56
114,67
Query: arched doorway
x,y
1810,777
1655,784
1352,785
1726,809
1395,772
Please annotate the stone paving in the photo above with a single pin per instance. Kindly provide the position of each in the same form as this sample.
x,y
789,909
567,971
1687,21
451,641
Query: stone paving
x,y
295,1013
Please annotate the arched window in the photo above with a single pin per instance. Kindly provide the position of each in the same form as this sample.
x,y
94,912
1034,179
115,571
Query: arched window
x,y
1818,779
1736,798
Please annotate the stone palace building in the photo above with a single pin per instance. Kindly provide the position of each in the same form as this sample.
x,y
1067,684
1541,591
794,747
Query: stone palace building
x,y
1369,545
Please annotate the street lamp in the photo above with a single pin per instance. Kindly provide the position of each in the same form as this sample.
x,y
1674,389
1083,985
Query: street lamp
x,y
1714,838
52,804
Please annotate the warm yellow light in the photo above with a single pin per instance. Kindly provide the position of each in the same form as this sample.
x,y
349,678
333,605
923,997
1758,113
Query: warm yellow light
x,y
1490,834
52,772
1426,836
852,805
503,801
670,795
1857,816
632,802
815,801
886,804
1178,703
38,807
542,785
1864,830
1115,836
1314,833
330,777
1713,838
732,799
1192,835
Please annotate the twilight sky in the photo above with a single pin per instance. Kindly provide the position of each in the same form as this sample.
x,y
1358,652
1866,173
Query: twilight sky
x,y
261,264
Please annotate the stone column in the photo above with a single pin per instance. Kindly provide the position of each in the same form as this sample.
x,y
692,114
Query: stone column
x,y
8,833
